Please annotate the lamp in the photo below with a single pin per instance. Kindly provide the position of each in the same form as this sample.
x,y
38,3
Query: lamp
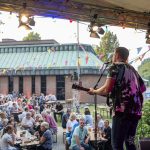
x,y
100,30
94,35
95,30
25,26
31,21
26,21
23,18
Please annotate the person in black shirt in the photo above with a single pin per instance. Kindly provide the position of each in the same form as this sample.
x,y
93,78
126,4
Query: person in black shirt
x,y
58,110
65,117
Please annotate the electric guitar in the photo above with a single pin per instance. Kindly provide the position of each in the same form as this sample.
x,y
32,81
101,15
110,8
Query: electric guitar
x,y
79,87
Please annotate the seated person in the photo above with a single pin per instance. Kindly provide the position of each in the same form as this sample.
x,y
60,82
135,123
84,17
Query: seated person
x,y
58,110
13,123
50,120
28,122
46,140
100,123
65,118
23,114
3,120
8,139
71,125
51,97
88,117
80,140
106,136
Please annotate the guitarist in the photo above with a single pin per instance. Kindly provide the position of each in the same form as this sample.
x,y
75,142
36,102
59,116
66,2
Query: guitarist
x,y
126,88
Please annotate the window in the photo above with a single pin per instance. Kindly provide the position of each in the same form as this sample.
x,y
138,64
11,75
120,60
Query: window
x,y
43,85
10,84
20,84
60,87
33,84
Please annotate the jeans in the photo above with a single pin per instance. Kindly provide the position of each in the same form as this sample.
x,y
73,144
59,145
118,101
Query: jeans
x,y
86,146
123,130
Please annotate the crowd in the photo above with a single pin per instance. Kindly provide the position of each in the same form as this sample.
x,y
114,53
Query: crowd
x,y
32,115
36,117
78,129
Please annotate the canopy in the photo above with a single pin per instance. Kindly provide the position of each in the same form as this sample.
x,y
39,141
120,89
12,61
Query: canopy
x,y
125,13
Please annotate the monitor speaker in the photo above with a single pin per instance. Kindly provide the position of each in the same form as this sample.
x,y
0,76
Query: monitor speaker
x,y
144,144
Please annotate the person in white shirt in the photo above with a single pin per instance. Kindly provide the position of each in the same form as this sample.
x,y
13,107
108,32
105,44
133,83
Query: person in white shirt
x,y
7,141
100,122
71,122
28,122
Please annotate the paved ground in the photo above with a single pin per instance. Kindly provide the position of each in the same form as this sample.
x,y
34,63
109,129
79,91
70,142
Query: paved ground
x,y
59,145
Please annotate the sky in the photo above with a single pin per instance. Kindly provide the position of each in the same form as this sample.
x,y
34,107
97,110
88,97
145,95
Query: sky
x,y
65,31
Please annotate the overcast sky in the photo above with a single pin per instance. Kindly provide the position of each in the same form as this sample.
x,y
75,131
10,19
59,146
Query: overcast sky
x,y
65,31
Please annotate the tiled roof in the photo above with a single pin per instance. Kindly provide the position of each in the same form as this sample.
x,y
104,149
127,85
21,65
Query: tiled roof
x,y
48,57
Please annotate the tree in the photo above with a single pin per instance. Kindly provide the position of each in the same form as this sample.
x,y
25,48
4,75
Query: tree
x,y
32,37
108,43
143,130
143,69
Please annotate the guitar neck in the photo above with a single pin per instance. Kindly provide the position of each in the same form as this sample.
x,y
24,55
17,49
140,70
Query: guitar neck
x,y
78,87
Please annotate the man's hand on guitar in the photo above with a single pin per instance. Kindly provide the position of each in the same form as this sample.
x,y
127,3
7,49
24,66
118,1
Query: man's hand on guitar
x,y
91,91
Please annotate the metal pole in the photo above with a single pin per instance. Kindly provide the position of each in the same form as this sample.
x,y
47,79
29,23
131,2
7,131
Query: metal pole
x,y
78,56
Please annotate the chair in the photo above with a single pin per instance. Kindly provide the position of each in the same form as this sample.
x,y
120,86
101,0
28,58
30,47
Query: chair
x,y
64,135
55,137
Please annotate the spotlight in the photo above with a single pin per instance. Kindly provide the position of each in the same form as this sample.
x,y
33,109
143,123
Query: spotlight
x,y
24,18
26,21
147,41
148,34
94,28
31,21
100,30
24,26
94,35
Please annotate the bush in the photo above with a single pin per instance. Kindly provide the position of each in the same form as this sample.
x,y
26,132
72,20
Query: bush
x,y
143,130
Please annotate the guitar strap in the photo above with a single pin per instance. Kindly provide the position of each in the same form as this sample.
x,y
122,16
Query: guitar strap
x,y
116,95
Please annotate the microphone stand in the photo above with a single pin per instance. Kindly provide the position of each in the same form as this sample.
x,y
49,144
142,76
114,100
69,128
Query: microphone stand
x,y
95,102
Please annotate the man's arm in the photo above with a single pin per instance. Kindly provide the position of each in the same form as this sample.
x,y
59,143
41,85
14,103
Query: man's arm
x,y
77,140
105,89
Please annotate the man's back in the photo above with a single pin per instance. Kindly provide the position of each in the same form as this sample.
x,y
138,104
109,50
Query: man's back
x,y
130,88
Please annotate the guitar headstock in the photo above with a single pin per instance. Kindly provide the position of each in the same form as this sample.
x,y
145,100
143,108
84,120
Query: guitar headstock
x,y
76,86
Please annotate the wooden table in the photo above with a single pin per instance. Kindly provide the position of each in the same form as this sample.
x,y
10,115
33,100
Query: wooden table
x,y
102,109
96,143
50,103
26,140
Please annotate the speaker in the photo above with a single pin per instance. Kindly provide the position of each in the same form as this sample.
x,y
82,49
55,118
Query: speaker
x,y
144,144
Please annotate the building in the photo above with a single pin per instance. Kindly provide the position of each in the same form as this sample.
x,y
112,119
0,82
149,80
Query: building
x,y
47,67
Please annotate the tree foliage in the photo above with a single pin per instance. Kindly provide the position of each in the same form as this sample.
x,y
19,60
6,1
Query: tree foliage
x,y
144,124
32,37
108,43
143,69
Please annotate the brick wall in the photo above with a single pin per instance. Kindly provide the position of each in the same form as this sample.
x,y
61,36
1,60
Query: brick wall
x,y
87,82
27,86
16,84
4,85
37,85
51,85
